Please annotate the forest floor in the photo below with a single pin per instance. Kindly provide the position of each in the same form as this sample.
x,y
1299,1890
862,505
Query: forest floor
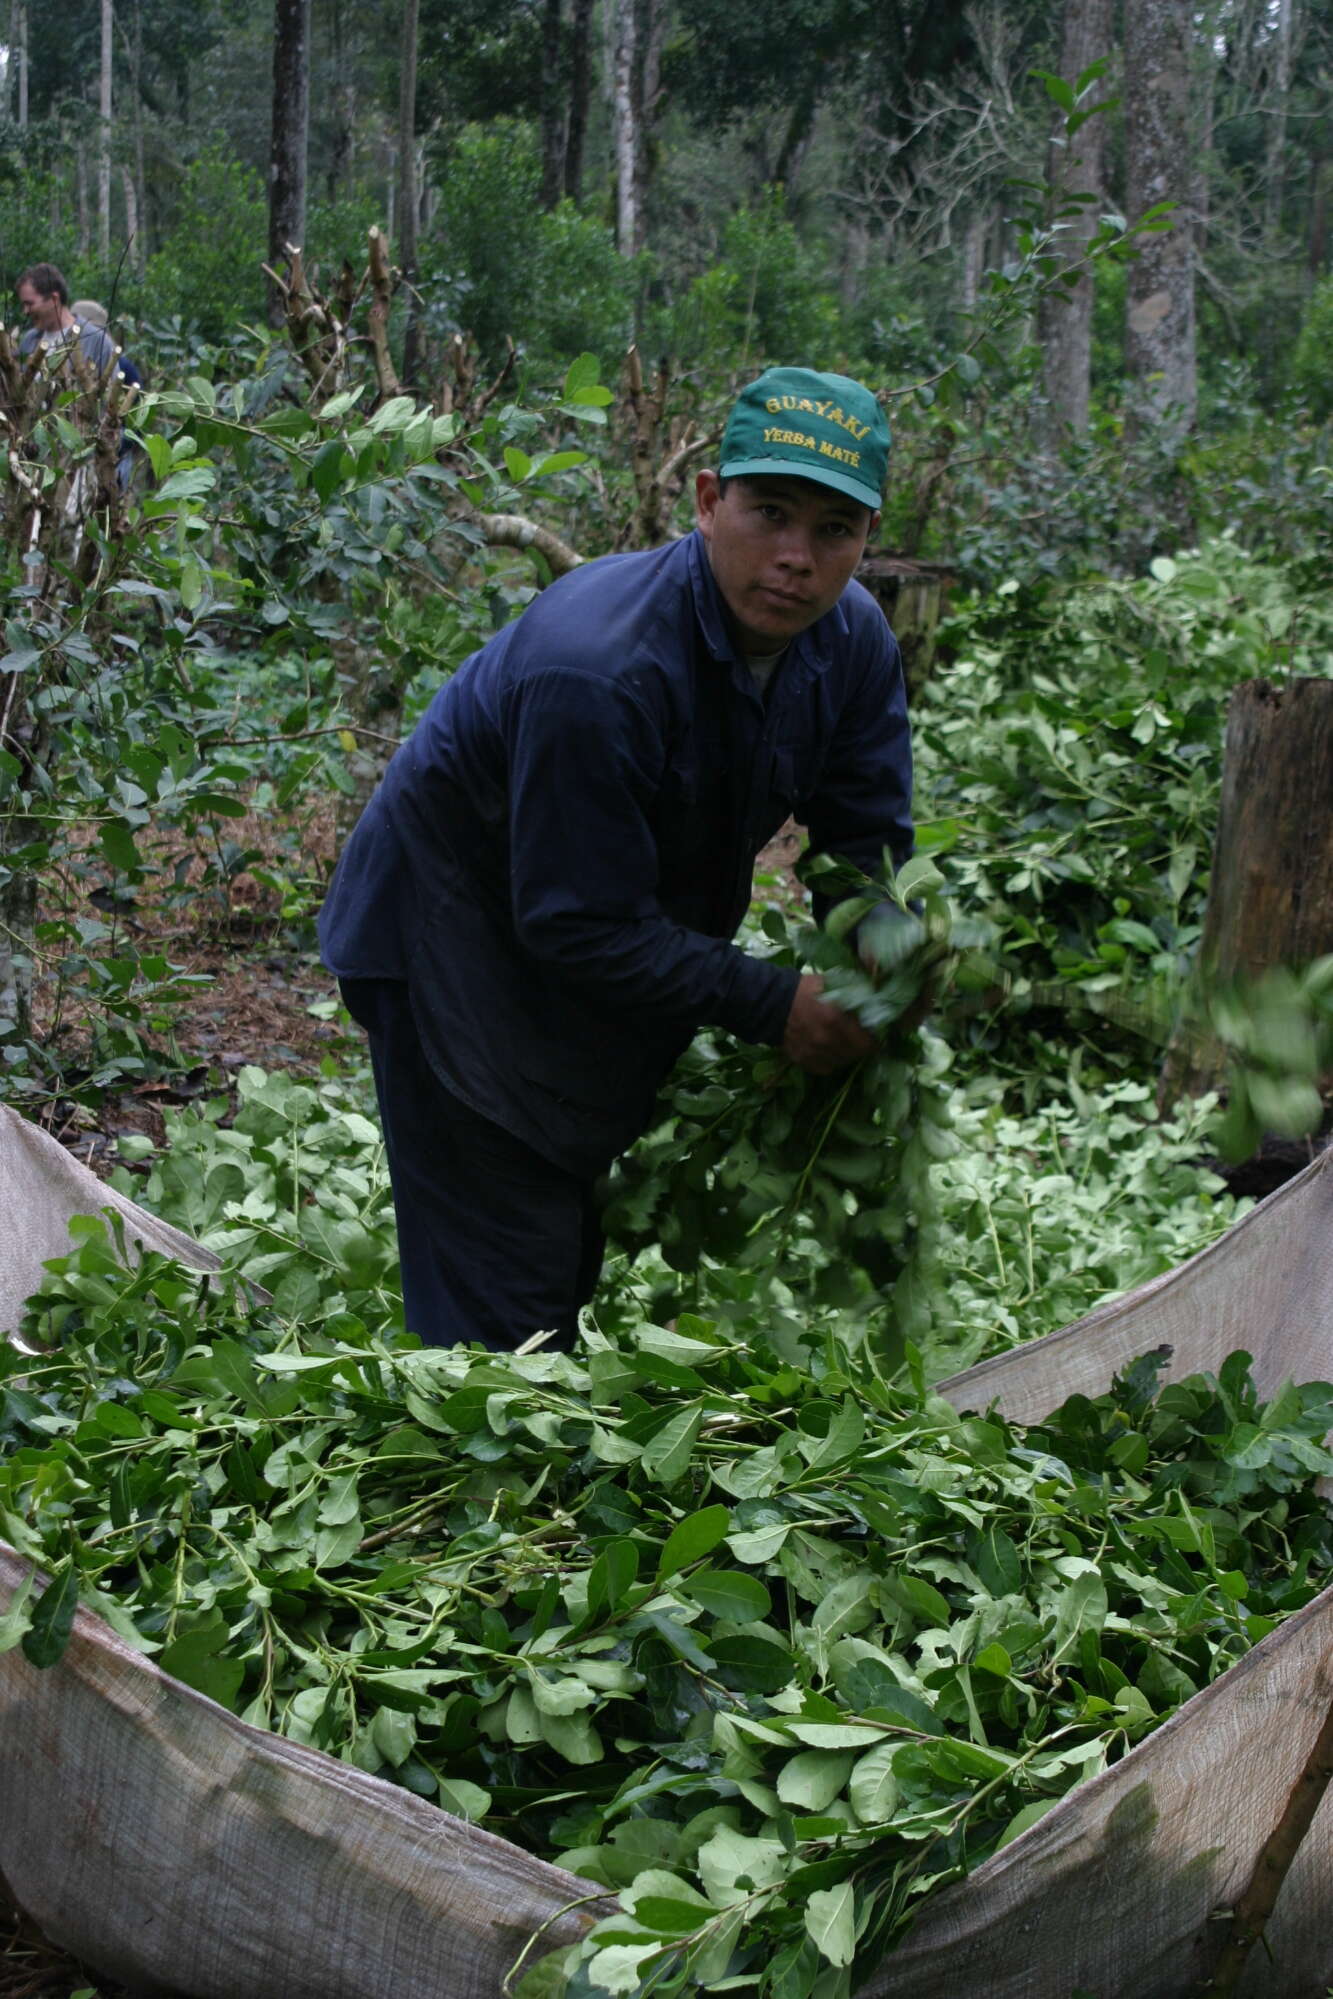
x,y
30,1968
263,977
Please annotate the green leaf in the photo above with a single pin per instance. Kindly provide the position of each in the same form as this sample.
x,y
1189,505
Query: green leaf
x,y
561,461
612,1575
873,1787
517,463
464,1799
117,843
1057,89
394,415
728,1593
1021,1820
997,1562
667,1454
190,484
326,470
52,1619
198,1658
814,1778
16,1620
830,1921
693,1538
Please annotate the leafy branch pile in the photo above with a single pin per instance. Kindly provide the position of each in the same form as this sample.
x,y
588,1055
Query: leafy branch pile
x,y
764,1644
823,1182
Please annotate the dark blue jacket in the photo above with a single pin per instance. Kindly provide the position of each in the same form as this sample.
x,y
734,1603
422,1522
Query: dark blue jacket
x,y
561,851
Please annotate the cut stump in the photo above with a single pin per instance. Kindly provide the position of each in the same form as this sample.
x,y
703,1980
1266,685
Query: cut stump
x,y
1270,896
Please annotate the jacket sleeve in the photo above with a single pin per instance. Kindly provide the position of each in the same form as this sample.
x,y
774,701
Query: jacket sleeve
x,y
586,763
863,801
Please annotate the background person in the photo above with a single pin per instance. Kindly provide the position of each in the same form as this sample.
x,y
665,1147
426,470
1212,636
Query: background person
x,y
55,326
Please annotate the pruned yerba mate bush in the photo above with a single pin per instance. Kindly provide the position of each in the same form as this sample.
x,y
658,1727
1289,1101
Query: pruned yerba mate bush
x,y
765,1643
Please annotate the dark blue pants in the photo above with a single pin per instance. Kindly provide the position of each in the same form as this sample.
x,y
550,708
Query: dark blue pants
x,y
496,1243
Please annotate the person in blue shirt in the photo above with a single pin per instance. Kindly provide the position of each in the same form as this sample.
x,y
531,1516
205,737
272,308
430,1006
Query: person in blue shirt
x,y
535,913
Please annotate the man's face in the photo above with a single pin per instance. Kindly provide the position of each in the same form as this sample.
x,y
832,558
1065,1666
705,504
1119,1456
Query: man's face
x,y
782,551
41,309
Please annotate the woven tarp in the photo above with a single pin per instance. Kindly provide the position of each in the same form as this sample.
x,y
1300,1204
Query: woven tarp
x,y
41,1186
147,1828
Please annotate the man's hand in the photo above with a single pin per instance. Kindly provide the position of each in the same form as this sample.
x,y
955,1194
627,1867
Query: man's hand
x,y
819,1036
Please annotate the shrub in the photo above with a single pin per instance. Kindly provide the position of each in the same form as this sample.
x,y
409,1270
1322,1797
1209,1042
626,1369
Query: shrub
x,y
763,299
497,263
209,269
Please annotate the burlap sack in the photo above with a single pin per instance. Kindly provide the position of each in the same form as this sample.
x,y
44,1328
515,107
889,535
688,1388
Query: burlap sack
x,y
149,1829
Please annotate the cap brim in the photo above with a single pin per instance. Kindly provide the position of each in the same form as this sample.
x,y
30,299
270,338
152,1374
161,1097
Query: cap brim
x,y
804,468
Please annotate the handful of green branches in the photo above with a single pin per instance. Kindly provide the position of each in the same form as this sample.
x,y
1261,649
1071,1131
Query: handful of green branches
x,y
818,1183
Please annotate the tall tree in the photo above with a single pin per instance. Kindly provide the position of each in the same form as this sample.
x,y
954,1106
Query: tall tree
x,y
104,136
580,94
408,192
554,118
290,139
16,64
1159,346
1279,92
343,101
1075,176
624,35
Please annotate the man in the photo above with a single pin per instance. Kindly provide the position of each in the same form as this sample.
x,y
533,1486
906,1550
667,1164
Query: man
x,y
44,298
534,915
56,328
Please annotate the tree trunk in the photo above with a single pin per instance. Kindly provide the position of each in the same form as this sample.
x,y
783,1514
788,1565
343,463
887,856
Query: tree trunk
x,y
974,256
344,103
290,138
1064,320
21,8
80,197
652,31
1205,98
580,91
1317,251
139,251
407,183
625,125
18,927
1279,91
1160,318
553,105
797,137
131,206
104,136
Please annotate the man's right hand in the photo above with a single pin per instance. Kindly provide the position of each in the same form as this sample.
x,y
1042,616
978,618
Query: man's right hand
x,y
819,1036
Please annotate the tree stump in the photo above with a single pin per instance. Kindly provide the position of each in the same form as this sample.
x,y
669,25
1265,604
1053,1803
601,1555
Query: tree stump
x,y
911,595
1270,898
1270,895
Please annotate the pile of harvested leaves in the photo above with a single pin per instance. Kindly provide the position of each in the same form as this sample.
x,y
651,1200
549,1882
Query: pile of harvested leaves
x,y
770,1646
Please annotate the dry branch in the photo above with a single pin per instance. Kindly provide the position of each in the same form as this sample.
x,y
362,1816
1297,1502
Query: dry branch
x,y
513,531
381,286
659,461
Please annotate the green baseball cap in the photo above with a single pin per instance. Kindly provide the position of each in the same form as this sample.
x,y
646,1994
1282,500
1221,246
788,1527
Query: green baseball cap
x,y
821,427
